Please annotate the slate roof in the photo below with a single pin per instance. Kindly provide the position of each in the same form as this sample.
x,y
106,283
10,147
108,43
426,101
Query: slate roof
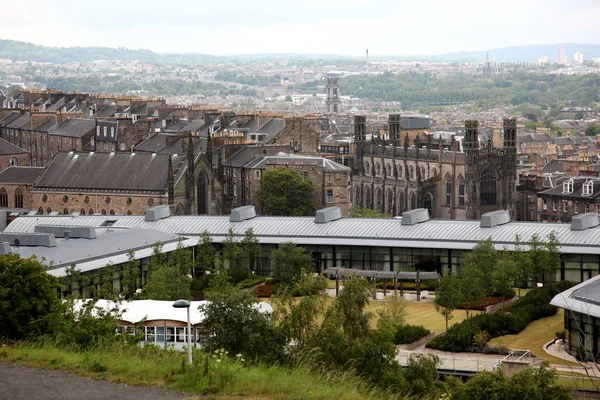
x,y
240,158
564,140
153,144
7,148
119,172
577,193
290,159
554,166
9,118
542,137
57,106
270,129
24,175
73,127
19,122
107,111
46,126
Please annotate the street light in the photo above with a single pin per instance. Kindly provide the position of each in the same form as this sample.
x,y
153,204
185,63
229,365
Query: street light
x,y
186,304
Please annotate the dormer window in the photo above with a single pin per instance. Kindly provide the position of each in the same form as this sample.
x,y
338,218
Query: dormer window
x,y
568,186
588,188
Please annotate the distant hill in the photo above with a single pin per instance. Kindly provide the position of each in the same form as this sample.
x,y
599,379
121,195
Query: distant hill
x,y
528,53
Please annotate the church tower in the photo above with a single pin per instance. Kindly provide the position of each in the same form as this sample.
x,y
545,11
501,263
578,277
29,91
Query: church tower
x,y
333,102
471,147
360,142
509,166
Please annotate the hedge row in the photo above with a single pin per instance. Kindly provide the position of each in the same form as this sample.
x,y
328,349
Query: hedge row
x,y
410,333
512,320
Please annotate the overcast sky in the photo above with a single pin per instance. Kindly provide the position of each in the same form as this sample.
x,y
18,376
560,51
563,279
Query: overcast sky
x,y
348,27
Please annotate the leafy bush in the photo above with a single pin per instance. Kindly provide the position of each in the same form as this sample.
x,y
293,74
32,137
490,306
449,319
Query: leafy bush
x,y
410,333
512,320
250,281
265,290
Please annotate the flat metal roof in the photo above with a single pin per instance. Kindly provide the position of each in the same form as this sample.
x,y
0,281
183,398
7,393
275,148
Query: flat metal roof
x,y
440,234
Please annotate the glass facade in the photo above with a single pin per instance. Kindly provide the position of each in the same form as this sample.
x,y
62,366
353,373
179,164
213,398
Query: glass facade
x,y
583,336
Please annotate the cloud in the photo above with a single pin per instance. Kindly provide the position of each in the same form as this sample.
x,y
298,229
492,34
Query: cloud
x,y
301,26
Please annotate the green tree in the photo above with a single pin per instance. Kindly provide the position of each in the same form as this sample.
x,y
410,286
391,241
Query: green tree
x,y
165,281
504,275
422,373
234,322
130,275
284,192
205,256
27,297
288,98
288,262
448,296
544,256
478,265
347,312
358,212
232,254
391,317
251,250
182,258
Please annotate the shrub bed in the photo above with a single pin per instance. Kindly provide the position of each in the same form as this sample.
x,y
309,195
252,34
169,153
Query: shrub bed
x,y
251,281
265,290
488,301
410,333
512,320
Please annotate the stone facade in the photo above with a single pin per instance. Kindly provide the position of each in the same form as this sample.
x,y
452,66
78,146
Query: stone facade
x,y
67,202
390,177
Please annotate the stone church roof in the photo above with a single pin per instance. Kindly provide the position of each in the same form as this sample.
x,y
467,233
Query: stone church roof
x,y
118,172
21,175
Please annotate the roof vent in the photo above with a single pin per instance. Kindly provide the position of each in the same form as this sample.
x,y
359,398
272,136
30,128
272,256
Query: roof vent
x,y
83,232
416,216
157,212
329,214
4,248
584,221
240,214
494,218
28,239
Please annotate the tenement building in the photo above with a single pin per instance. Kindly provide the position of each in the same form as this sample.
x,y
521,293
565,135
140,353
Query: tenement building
x,y
393,176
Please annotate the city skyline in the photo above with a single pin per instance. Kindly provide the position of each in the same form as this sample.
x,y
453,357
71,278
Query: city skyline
x,y
335,27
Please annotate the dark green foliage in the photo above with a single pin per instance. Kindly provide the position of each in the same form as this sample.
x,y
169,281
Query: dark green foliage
x,y
283,192
512,320
166,281
234,323
288,261
421,372
530,383
358,212
27,296
410,333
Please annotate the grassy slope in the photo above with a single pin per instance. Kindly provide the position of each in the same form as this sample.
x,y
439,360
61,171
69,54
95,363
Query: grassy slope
x,y
158,368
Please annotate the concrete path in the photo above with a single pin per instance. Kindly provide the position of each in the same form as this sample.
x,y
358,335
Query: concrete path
x,y
23,383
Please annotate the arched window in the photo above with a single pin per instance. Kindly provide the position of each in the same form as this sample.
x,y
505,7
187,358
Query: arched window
x,y
103,212
65,211
400,202
91,212
48,210
448,189
112,212
423,174
13,162
128,212
368,198
434,171
40,210
377,169
487,183
388,170
461,191
411,173
390,202
82,211
413,201
18,198
428,203
378,199
3,198
367,168
399,169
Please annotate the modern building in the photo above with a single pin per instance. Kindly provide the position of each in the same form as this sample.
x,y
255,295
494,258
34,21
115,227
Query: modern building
x,y
578,58
562,55
411,243
161,324
582,319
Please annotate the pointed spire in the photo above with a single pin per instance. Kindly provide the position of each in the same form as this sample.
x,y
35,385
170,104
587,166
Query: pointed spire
x,y
208,153
406,142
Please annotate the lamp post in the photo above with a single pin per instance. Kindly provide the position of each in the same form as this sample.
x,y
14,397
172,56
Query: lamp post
x,y
186,304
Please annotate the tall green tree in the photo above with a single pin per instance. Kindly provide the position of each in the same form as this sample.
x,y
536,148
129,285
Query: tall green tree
x,y
251,250
288,262
27,297
130,276
284,192
448,296
205,255
544,256
165,281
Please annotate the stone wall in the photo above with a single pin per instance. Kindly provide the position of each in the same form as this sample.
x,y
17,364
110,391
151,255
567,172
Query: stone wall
x,y
93,203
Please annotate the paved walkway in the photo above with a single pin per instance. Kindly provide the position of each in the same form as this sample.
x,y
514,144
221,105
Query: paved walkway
x,y
23,383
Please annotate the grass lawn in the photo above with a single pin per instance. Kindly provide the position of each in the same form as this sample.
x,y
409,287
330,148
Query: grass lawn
x,y
535,336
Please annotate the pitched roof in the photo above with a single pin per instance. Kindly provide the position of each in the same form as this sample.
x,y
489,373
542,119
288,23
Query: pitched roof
x,y
290,159
19,122
25,175
73,127
7,148
270,129
108,110
577,192
122,172
46,126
